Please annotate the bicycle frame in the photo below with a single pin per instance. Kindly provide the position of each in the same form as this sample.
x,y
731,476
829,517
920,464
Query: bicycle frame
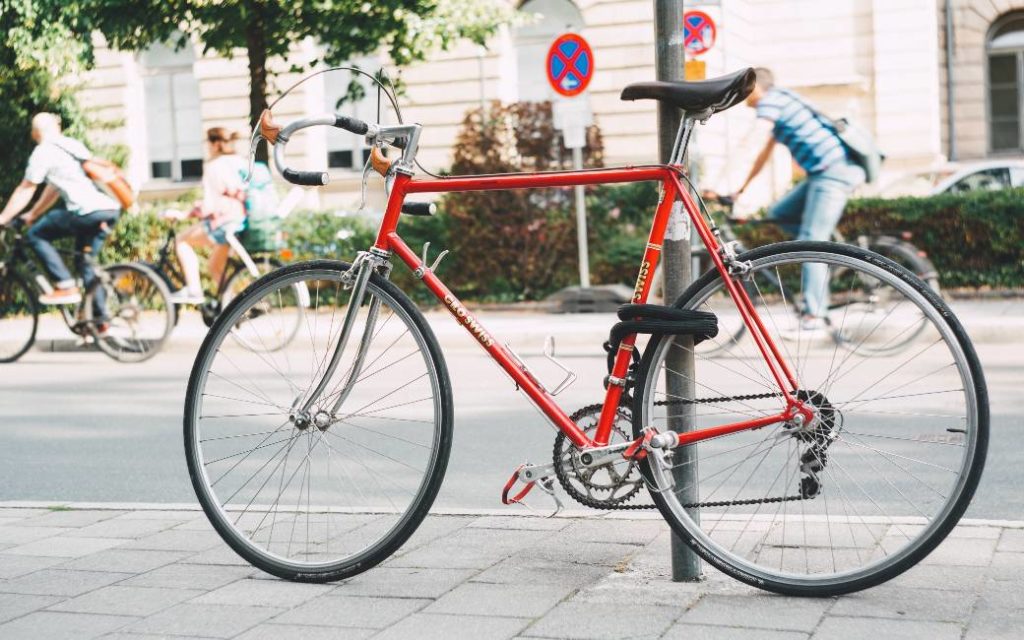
x,y
389,241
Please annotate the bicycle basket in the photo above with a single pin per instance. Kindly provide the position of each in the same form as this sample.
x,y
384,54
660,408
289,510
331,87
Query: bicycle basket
x,y
262,235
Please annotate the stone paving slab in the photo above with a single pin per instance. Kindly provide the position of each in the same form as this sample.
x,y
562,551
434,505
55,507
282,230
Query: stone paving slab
x,y
125,573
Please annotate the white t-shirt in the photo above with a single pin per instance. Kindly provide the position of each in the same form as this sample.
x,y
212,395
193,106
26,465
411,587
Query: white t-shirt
x,y
224,189
50,163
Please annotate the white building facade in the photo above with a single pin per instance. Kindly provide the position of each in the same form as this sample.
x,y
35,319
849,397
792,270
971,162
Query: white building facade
x,y
883,63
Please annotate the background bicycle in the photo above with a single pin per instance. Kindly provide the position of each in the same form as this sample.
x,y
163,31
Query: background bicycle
x,y
130,323
255,252
860,297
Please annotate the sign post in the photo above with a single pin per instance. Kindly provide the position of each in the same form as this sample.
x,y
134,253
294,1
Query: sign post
x,y
669,58
570,66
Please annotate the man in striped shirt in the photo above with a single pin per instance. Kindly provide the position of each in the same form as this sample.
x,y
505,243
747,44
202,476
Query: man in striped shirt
x,y
812,209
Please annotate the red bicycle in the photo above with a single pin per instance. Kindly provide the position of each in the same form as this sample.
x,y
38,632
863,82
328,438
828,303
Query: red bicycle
x,y
792,465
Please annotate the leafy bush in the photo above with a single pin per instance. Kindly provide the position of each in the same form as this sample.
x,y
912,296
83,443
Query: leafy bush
x,y
513,244
974,239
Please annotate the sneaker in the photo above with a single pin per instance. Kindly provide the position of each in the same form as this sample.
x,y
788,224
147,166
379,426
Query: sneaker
x,y
61,296
809,329
184,296
102,329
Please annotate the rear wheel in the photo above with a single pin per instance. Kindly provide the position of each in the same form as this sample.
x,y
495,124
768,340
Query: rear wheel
x,y
871,299
130,311
329,493
19,317
862,492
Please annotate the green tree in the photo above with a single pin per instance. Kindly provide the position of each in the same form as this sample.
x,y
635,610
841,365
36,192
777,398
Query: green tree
x,y
407,30
38,65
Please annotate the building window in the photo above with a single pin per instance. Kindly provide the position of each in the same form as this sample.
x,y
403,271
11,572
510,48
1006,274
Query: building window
x,y
1006,85
347,150
533,40
174,128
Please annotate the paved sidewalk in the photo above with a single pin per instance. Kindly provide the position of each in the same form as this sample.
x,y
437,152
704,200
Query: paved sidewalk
x,y
134,571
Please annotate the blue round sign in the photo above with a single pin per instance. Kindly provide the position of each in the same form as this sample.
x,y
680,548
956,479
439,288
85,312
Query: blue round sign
x,y
570,64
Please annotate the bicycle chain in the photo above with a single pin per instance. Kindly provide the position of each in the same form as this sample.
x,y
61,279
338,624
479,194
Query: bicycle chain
x,y
563,478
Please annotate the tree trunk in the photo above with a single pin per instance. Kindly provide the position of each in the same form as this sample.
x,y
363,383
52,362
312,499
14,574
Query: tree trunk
x,y
255,41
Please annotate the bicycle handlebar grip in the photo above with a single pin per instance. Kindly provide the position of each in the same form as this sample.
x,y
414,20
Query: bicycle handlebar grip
x,y
306,178
419,208
355,125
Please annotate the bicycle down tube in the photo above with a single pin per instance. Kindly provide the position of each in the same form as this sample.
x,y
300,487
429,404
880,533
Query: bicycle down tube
x,y
389,240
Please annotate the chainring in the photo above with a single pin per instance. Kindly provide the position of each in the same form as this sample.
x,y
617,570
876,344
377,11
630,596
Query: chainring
x,y
606,486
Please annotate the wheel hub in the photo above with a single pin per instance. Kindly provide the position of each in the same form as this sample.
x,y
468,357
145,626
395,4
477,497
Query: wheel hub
x,y
819,429
322,420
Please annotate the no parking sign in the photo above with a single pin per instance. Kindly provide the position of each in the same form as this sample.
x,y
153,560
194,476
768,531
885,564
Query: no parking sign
x,y
699,32
570,65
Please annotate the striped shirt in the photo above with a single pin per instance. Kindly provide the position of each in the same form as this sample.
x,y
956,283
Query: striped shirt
x,y
814,145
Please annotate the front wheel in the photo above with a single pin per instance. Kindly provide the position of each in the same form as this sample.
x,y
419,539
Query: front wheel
x,y
327,493
863,491
129,310
19,317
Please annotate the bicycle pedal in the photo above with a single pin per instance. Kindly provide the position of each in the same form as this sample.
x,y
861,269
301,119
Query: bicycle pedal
x,y
531,476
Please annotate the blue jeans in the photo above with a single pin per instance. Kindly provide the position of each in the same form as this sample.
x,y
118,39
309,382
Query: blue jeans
x,y
89,232
811,211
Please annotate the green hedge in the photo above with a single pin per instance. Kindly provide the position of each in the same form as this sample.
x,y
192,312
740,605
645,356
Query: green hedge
x,y
975,240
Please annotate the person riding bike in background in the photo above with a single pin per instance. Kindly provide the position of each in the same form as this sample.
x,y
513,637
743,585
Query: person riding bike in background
x,y
222,211
88,213
812,209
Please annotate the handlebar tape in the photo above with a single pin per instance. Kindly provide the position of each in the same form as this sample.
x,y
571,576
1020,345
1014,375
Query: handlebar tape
x,y
306,178
419,208
355,125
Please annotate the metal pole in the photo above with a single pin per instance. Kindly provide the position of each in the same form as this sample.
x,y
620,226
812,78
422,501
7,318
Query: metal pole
x,y
669,59
581,222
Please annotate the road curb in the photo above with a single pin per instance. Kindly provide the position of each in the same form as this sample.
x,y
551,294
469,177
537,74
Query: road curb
x,y
567,514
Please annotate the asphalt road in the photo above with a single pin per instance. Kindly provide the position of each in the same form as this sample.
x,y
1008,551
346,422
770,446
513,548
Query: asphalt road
x,y
80,427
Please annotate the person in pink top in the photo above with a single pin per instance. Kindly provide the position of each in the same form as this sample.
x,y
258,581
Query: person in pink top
x,y
221,212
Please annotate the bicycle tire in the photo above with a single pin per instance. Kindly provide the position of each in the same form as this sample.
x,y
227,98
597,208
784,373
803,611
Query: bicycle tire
x,y
239,280
126,341
14,291
198,391
879,568
171,286
906,255
728,336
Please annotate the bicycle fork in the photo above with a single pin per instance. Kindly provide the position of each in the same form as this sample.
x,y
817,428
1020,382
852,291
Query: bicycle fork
x,y
362,268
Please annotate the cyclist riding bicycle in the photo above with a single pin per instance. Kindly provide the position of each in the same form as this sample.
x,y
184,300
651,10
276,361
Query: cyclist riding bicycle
x,y
812,209
88,214
222,211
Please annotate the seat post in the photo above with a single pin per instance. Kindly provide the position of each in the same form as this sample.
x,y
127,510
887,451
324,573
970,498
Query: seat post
x,y
682,140
683,136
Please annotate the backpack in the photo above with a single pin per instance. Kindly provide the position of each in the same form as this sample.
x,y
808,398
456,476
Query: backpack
x,y
107,175
860,145
262,231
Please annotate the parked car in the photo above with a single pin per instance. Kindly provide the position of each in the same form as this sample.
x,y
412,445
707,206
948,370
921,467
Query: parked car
x,y
991,175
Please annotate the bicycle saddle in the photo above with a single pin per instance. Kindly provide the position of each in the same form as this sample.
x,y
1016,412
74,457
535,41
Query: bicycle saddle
x,y
717,94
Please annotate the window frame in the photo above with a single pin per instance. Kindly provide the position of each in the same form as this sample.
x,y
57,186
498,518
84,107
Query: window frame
x,y
1016,16
167,73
